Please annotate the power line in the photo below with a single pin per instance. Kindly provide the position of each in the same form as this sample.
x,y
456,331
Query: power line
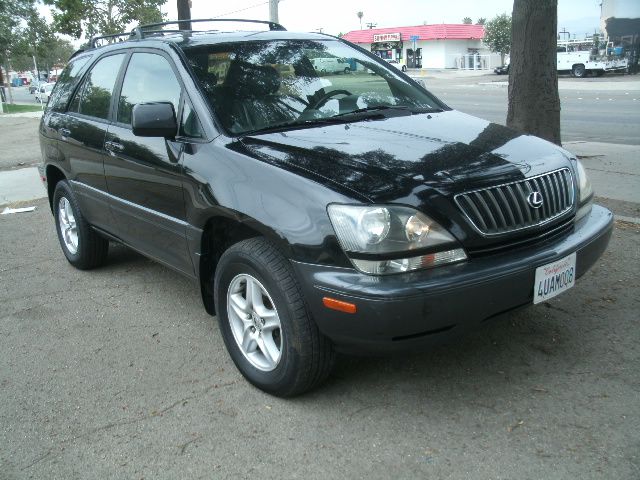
x,y
241,10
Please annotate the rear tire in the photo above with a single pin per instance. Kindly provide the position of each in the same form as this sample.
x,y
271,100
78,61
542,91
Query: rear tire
x,y
272,338
579,71
84,248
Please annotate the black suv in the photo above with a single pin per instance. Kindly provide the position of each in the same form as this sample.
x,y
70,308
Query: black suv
x,y
319,212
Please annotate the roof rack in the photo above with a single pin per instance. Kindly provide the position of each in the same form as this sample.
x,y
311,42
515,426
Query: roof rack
x,y
109,39
140,31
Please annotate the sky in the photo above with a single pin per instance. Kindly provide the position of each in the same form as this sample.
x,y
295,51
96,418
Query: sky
x,y
336,16
340,16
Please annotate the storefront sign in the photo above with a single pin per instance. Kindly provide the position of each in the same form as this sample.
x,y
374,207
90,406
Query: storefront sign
x,y
386,37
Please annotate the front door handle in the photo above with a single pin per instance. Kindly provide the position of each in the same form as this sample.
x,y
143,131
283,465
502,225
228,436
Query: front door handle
x,y
64,132
113,146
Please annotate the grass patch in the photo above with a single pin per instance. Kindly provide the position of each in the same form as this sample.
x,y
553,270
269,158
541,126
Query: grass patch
x,y
20,108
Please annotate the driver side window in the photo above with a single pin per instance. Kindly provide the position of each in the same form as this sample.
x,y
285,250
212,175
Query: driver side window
x,y
149,78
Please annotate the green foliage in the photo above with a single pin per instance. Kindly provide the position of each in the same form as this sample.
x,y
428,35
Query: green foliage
x,y
12,13
497,34
102,17
481,21
467,20
34,38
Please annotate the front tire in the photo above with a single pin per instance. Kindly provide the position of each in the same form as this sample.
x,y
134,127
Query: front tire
x,y
84,248
265,323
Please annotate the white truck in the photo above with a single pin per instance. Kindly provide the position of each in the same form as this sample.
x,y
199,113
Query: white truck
x,y
581,63
330,65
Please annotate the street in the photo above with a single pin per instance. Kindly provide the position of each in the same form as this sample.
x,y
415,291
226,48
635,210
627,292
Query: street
x,y
592,109
120,373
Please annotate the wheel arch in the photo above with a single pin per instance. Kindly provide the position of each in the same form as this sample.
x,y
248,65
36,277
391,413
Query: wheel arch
x,y
54,175
218,234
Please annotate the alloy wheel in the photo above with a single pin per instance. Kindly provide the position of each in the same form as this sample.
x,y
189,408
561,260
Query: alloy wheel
x,y
68,226
254,322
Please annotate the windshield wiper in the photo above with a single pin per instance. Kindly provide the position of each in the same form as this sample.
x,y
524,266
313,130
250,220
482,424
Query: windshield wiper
x,y
345,117
281,127
403,109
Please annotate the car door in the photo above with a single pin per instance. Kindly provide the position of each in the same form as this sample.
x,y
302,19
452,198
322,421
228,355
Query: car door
x,y
144,174
82,131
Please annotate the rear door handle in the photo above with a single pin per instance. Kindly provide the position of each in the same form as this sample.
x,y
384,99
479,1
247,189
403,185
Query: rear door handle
x,y
113,146
65,132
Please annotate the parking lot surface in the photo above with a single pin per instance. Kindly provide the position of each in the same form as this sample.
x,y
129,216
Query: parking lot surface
x,y
119,373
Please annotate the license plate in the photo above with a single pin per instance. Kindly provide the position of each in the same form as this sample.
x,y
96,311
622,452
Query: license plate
x,y
554,278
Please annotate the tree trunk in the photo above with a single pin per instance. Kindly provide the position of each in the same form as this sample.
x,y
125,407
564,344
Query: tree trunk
x,y
184,13
534,103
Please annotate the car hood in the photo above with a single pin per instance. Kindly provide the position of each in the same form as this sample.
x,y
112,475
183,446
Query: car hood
x,y
393,159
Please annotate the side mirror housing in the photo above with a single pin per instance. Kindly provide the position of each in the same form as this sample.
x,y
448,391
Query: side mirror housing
x,y
156,119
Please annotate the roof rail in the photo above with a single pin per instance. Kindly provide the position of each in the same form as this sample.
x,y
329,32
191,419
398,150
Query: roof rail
x,y
109,39
139,31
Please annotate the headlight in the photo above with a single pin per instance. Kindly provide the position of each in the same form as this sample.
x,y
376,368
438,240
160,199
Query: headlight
x,y
585,191
391,239
584,184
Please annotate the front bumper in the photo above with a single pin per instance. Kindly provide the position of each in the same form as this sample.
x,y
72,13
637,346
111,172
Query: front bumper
x,y
407,311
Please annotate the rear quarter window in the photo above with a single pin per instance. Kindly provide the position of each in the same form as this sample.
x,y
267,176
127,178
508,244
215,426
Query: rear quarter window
x,y
67,82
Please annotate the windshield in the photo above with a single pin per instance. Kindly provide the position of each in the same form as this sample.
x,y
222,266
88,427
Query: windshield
x,y
264,85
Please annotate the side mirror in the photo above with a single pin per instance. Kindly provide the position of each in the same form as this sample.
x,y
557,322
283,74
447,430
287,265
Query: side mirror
x,y
154,120
420,82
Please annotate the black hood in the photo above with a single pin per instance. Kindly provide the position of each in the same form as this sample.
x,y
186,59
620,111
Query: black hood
x,y
394,159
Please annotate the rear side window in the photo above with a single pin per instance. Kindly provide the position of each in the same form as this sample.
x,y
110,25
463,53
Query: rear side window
x,y
149,78
66,83
94,96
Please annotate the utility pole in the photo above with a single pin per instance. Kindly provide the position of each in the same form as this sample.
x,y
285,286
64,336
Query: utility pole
x,y
372,25
35,65
184,13
273,11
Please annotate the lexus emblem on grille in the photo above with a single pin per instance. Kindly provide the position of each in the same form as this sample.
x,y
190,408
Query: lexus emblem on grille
x,y
535,199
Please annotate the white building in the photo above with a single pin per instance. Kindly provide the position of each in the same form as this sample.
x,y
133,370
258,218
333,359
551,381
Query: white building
x,y
429,46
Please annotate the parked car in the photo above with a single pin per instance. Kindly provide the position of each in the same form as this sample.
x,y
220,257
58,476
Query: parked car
x,y
317,214
33,88
398,65
502,70
44,92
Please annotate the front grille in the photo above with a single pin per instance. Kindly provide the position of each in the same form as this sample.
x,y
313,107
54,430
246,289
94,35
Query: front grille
x,y
505,208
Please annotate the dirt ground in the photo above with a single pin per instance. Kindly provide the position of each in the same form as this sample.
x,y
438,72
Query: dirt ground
x,y
119,373
19,142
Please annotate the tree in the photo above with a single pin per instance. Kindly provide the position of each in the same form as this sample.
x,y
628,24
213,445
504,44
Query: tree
x,y
184,13
92,17
467,20
534,103
481,21
497,35
360,15
12,13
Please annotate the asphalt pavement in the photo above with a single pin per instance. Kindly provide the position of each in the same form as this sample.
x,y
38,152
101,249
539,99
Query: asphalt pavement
x,y
119,372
